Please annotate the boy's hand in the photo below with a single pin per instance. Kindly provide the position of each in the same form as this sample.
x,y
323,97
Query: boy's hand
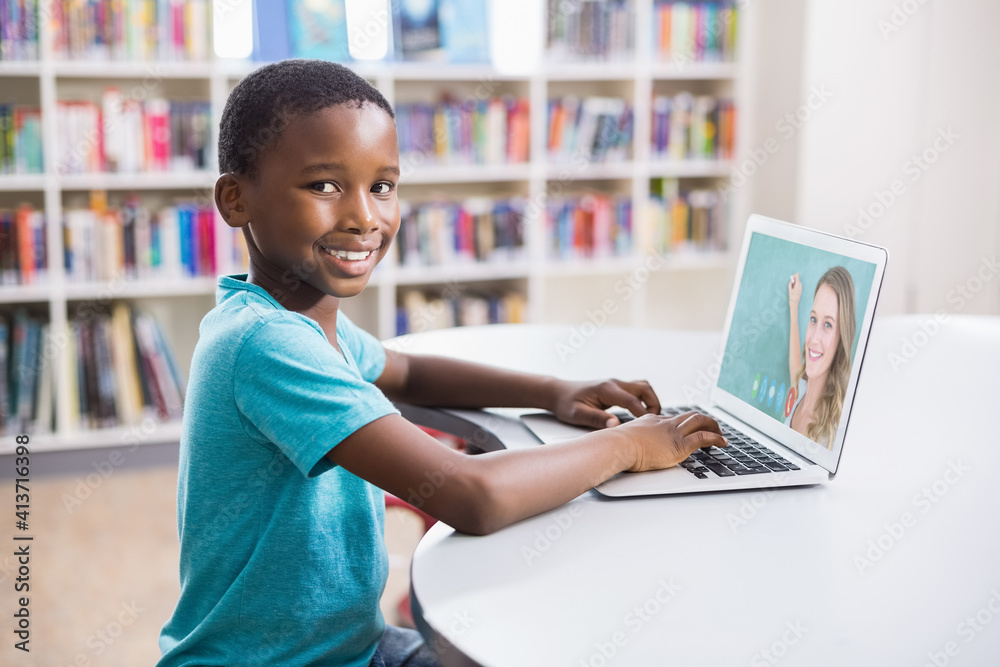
x,y
583,403
663,442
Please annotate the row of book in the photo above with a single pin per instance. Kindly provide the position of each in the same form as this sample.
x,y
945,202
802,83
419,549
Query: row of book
x,y
133,242
598,129
590,30
589,226
685,32
26,387
20,139
125,371
455,31
455,306
22,246
19,30
477,229
464,132
130,29
681,221
120,370
129,136
689,127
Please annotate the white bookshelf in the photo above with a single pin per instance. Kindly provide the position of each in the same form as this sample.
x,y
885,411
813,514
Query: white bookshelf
x,y
179,305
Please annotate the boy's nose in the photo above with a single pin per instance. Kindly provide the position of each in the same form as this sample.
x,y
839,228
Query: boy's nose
x,y
358,215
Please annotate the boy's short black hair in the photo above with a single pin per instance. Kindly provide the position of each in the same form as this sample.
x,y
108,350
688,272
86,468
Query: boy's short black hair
x,y
264,101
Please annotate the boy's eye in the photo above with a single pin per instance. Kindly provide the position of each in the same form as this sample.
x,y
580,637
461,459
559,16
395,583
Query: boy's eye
x,y
382,188
325,186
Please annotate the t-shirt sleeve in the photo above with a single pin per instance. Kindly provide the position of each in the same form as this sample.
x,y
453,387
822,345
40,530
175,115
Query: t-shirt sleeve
x,y
296,391
367,351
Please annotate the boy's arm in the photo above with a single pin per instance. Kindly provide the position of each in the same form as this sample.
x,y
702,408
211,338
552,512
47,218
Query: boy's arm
x,y
446,382
483,493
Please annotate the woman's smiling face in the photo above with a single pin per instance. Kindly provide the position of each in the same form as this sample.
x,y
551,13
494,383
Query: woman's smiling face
x,y
823,333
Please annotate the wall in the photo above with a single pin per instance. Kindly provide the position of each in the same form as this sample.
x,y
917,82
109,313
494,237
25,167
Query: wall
x,y
906,153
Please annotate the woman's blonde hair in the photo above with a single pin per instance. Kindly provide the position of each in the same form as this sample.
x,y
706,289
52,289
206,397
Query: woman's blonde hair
x,y
831,402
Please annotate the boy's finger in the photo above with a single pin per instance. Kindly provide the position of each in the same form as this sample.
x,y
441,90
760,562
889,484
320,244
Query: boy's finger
x,y
703,439
584,415
617,395
645,392
699,422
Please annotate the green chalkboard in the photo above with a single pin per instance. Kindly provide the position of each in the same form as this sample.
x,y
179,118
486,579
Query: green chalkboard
x,y
757,347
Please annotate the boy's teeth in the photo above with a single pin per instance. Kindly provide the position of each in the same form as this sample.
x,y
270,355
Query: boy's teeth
x,y
348,254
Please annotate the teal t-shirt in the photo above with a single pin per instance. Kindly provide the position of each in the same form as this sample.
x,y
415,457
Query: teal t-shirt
x,y
282,558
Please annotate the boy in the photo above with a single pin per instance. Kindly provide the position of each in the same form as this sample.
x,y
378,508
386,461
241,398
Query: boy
x,y
288,425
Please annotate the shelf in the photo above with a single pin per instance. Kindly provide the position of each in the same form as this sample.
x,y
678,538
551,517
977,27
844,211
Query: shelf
x,y
141,288
690,168
156,69
543,280
693,71
420,275
407,71
592,170
449,72
564,268
591,71
25,293
20,68
674,261
123,437
160,180
464,173
22,182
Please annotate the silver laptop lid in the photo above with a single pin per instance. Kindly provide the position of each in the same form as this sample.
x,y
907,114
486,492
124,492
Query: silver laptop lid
x,y
800,395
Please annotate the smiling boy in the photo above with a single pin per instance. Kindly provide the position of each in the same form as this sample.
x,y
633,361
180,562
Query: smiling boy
x,y
288,428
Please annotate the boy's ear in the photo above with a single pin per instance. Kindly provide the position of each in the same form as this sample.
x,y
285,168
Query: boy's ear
x,y
231,201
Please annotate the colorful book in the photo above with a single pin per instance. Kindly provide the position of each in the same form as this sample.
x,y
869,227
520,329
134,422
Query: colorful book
x,y
318,29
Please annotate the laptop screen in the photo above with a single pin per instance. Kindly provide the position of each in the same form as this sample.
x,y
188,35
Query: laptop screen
x,y
794,334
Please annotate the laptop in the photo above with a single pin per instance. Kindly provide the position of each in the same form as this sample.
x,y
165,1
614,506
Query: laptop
x,y
783,405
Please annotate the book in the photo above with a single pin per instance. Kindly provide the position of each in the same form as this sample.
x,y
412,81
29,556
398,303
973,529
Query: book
x,y
23,246
130,136
133,242
317,29
600,30
130,29
416,29
422,311
598,129
689,127
19,30
686,32
685,220
20,139
464,28
464,132
445,233
271,40
5,410
589,226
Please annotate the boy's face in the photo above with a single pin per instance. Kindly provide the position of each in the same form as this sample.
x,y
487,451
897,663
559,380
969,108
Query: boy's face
x,y
323,208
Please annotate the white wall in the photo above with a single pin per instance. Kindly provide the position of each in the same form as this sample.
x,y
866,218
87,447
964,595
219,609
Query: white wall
x,y
899,81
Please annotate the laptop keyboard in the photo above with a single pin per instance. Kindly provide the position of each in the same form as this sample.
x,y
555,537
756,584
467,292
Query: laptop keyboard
x,y
743,456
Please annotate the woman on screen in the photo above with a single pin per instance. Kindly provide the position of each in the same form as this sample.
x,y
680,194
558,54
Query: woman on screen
x,y
821,367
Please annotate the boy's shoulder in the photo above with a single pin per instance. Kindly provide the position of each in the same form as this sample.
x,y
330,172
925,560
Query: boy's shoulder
x,y
244,311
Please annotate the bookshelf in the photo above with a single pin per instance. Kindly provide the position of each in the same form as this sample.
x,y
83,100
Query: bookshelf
x,y
554,290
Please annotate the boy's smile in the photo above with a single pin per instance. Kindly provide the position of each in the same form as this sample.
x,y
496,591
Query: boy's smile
x,y
322,210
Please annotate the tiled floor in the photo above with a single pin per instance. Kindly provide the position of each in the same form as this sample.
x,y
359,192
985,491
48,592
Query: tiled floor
x,y
104,567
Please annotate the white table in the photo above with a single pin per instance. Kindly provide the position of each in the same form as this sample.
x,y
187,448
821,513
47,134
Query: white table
x,y
896,561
